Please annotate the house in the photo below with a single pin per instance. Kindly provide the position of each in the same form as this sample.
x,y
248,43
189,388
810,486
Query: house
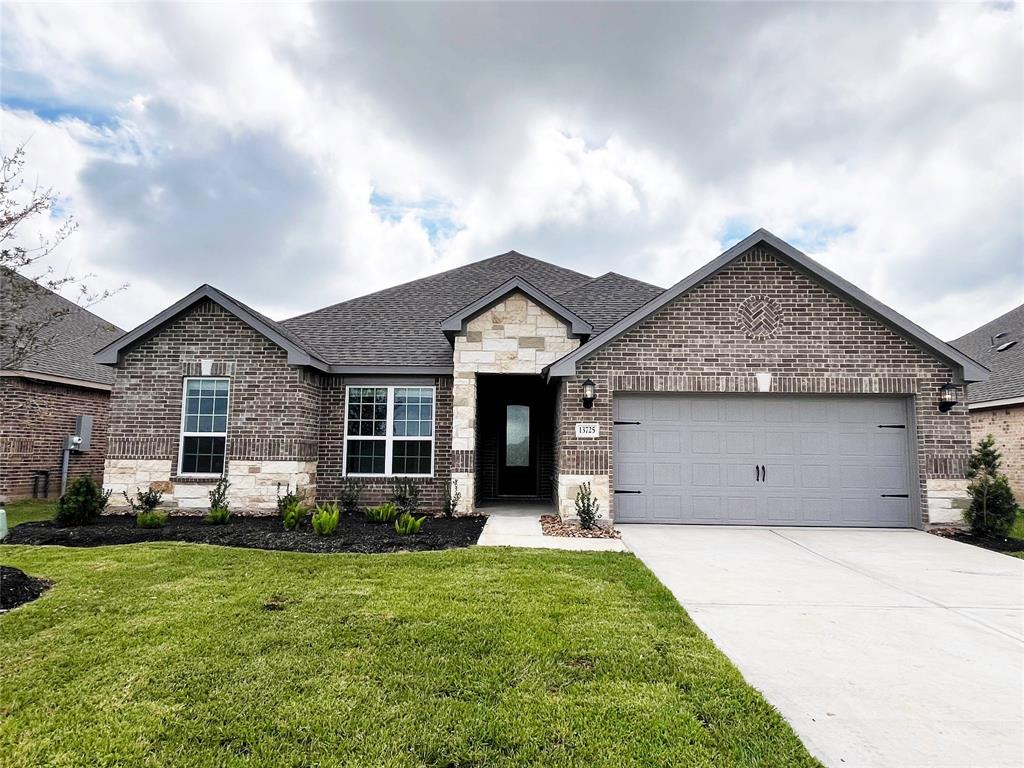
x,y
761,389
48,378
997,406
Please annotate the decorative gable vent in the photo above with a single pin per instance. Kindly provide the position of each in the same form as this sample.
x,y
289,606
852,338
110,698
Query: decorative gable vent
x,y
759,316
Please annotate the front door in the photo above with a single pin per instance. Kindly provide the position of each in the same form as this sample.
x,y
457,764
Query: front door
x,y
517,454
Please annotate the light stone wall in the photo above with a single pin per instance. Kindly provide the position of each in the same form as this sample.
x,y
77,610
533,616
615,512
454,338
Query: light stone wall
x,y
253,490
515,335
947,500
600,488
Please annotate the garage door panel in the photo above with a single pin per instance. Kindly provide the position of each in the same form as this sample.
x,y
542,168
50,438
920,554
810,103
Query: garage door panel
x,y
828,460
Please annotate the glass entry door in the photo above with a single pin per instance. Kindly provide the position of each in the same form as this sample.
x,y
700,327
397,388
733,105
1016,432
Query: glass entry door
x,y
517,470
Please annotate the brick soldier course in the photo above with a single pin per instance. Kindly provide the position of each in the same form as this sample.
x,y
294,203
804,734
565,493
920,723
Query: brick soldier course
x,y
760,306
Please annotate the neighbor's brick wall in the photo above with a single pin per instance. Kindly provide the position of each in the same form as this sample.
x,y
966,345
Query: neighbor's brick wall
x,y
1006,425
823,345
35,417
273,407
374,491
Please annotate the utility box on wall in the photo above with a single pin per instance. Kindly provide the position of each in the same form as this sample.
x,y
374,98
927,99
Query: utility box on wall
x,y
83,430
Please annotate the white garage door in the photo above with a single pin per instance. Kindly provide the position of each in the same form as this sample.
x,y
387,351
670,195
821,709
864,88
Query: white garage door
x,y
762,460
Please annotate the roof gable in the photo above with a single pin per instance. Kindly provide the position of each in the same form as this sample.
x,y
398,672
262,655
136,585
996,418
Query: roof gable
x,y
969,370
456,322
299,352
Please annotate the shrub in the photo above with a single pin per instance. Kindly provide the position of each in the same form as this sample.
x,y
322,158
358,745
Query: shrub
x,y
283,502
405,495
993,509
82,503
151,518
144,501
325,519
452,497
587,507
292,515
218,516
349,497
407,525
219,494
385,513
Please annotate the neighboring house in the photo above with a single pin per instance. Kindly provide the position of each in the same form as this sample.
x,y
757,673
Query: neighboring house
x,y
520,380
997,405
48,378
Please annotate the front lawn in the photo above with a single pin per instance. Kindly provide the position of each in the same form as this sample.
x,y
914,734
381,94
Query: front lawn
x,y
29,510
192,655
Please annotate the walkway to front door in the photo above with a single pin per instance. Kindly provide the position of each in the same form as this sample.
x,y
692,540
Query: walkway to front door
x,y
518,525
881,647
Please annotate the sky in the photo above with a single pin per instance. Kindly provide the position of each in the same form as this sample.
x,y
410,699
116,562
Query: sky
x,y
298,155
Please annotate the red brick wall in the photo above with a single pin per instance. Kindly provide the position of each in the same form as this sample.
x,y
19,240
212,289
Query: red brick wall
x,y
330,469
35,417
1006,425
273,407
822,345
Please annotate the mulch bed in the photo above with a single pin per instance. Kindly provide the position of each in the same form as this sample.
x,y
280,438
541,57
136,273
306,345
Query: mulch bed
x,y
18,588
353,534
553,526
966,537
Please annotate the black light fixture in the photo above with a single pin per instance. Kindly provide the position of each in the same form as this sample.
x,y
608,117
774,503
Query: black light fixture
x,y
589,394
947,396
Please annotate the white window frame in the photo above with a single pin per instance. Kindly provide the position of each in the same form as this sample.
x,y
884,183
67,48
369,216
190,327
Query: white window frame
x,y
389,437
182,434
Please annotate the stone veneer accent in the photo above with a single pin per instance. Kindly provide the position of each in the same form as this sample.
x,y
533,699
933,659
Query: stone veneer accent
x,y
515,335
822,345
273,413
1006,425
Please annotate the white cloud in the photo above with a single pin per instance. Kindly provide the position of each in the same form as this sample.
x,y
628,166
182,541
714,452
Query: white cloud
x,y
299,155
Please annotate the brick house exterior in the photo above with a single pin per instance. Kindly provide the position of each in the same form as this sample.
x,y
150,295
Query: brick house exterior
x,y
478,374
45,388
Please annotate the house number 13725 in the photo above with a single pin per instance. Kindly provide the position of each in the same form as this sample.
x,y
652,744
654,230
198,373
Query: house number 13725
x,y
588,430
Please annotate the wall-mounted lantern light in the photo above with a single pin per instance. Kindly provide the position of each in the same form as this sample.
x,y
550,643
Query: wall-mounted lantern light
x,y
947,396
589,393
764,382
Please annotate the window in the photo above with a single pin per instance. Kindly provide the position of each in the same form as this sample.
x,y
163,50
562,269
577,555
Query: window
x,y
204,426
389,431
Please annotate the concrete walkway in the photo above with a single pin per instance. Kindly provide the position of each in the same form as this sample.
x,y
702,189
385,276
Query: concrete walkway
x,y
881,647
518,525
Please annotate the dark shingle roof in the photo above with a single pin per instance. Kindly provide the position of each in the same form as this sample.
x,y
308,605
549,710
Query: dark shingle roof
x,y
608,298
1007,378
64,347
401,325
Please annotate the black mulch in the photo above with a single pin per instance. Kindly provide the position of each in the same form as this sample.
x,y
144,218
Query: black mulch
x,y
353,534
998,544
17,588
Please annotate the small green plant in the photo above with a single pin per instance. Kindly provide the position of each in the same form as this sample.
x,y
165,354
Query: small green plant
x,y
144,501
218,516
407,525
349,497
219,513
292,515
82,502
283,502
452,497
384,513
325,519
587,507
405,495
151,518
993,509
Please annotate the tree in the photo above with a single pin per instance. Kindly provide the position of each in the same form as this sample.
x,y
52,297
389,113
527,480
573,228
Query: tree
x,y
29,325
993,508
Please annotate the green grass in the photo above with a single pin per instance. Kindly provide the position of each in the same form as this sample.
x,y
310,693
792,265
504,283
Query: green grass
x,y
165,654
29,510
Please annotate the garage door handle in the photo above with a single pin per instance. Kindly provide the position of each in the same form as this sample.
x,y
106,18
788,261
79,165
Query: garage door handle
x,y
757,473
892,426
764,473
625,422
895,496
618,491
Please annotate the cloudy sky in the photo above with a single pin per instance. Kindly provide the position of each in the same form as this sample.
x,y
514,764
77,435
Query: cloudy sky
x,y
296,155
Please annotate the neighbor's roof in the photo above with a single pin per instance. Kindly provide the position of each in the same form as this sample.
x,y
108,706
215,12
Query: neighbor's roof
x,y
1007,366
969,369
401,326
65,345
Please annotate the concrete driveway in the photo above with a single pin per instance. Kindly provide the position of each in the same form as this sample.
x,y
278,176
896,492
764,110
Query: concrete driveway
x,y
880,647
